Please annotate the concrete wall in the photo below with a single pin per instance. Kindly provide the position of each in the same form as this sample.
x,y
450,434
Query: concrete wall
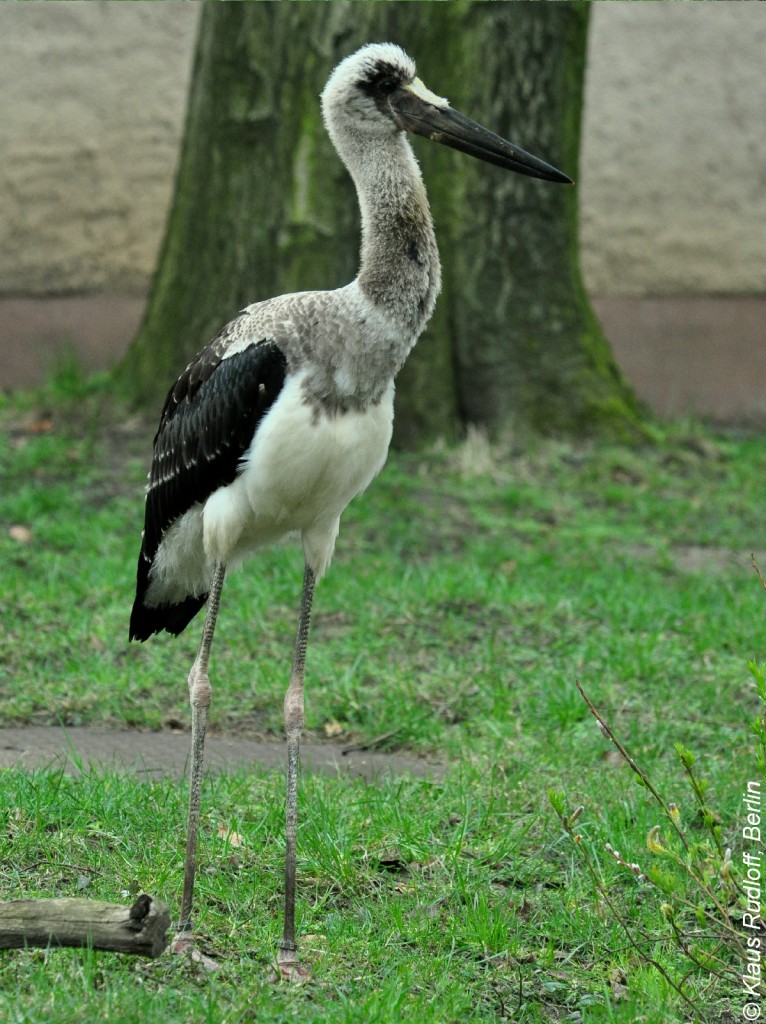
x,y
671,183
93,98
673,175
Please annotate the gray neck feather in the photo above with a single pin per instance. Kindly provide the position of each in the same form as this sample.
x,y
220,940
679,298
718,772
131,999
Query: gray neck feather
x,y
400,269
398,280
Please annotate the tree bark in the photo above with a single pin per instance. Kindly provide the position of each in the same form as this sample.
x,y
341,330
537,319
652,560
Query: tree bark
x,y
140,929
527,344
263,206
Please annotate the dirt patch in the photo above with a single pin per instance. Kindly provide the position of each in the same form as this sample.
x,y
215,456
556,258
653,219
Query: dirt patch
x,y
698,558
691,558
157,755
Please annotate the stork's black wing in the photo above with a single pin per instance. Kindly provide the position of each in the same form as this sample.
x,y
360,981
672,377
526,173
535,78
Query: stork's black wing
x,y
207,424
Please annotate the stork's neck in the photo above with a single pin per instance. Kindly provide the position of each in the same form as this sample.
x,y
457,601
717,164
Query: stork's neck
x,y
400,269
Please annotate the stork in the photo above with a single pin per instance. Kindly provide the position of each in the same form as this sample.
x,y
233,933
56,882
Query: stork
x,y
287,414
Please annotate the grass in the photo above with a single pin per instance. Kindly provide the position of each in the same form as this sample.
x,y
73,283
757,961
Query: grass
x,y
471,588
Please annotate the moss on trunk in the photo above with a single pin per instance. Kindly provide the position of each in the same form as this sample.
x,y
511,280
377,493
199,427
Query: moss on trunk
x,y
529,349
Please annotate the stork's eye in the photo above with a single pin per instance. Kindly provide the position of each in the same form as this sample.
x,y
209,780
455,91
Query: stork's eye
x,y
382,82
388,85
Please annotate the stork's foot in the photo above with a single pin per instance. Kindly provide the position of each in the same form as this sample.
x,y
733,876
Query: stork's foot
x,y
289,968
183,945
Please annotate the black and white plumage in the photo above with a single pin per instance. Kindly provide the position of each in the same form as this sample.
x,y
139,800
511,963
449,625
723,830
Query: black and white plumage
x,y
207,424
287,415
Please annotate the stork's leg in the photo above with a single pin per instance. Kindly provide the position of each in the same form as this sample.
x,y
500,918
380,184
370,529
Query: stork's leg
x,y
288,948
200,694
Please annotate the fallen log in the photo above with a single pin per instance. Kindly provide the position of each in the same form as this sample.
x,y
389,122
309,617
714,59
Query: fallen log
x,y
139,929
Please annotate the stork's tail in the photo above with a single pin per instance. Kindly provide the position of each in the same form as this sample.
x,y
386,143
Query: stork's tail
x,y
173,617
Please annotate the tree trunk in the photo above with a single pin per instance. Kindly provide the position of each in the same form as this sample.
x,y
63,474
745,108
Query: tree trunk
x,y
264,206
527,344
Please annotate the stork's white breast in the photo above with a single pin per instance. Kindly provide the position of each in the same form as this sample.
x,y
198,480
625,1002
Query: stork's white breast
x,y
299,474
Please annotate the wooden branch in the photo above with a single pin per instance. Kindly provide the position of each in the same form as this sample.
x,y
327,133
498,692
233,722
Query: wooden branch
x,y
140,929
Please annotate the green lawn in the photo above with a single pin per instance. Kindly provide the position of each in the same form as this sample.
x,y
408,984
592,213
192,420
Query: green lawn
x,y
471,587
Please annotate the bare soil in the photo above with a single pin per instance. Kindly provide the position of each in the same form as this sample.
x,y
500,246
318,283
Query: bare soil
x,y
163,754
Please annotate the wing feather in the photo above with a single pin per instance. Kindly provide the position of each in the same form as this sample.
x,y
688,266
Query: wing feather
x,y
207,424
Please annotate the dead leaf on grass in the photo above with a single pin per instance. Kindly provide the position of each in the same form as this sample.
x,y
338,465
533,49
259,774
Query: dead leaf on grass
x,y
229,836
424,865
41,426
524,912
183,945
611,757
618,983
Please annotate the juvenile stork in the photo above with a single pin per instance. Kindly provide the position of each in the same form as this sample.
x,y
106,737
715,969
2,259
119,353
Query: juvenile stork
x,y
287,414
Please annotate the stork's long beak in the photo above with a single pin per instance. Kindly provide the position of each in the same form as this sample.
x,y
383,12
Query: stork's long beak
x,y
422,112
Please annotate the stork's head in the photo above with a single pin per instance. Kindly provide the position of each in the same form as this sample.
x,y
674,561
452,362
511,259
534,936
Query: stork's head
x,y
358,92
375,93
